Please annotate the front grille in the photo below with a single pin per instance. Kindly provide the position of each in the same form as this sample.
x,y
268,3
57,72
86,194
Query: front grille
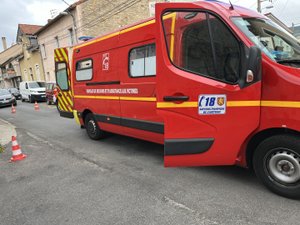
x,y
41,92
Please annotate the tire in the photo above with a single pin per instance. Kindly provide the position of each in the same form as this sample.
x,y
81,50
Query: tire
x,y
276,163
92,127
22,99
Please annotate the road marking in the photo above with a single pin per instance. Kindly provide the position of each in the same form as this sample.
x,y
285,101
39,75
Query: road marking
x,y
177,204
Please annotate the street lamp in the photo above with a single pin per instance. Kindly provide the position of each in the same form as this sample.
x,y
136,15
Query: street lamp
x,y
74,23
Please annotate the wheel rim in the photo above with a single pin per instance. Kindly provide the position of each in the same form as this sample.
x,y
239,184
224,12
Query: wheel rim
x,y
92,127
284,166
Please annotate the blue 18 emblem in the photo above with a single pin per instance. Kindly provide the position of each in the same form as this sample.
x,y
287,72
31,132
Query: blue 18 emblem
x,y
211,104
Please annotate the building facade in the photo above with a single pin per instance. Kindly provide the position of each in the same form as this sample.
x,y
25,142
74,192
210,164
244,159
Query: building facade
x,y
59,32
31,64
10,72
88,18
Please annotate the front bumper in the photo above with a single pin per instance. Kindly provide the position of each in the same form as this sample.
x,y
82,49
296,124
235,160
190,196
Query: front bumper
x,y
39,97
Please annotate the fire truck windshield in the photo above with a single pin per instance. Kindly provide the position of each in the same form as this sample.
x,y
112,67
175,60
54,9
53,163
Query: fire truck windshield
x,y
277,43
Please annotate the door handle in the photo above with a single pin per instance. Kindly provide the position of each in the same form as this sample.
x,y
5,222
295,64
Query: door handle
x,y
176,98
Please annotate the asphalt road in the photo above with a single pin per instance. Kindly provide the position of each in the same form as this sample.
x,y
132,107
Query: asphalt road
x,y
69,179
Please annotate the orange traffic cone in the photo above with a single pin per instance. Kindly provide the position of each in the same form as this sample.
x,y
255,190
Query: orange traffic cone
x,y
17,154
36,106
13,109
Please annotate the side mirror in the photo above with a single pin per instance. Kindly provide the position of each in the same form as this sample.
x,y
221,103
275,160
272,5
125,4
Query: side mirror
x,y
251,68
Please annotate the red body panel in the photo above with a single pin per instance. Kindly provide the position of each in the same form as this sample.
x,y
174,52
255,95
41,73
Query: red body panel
x,y
112,93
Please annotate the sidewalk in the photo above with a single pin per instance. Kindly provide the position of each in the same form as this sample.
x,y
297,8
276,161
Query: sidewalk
x,y
6,131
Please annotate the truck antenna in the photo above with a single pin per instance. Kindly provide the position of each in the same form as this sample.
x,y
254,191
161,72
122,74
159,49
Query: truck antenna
x,y
231,6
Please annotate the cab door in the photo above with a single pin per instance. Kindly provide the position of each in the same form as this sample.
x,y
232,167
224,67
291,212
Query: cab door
x,y
208,102
63,80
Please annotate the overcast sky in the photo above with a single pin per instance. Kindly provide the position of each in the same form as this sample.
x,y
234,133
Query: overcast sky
x,y
38,12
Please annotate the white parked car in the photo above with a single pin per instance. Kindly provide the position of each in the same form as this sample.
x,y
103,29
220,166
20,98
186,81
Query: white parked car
x,y
33,91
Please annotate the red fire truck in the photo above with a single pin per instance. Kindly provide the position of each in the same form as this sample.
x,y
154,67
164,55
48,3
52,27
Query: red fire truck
x,y
215,83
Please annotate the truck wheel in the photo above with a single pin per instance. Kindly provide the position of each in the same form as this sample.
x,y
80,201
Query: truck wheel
x,y
22,99
276,162
92,127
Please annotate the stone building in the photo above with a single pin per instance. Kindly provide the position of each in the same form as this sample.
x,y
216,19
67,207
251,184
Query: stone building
x,y
31,61
60,31
88,18
10,73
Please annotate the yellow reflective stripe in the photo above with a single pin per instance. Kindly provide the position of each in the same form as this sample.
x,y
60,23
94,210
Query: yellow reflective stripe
x,y
116,33
174,105
76,117
97,97
61,104
58,54
172,41
67,98
282,104
137,26
123,98
195,104
146,99
242,103
64,54
97,40
66,103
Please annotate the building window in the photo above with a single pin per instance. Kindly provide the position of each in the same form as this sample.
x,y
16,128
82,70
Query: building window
x,y
56,42
31,73
71,36
37,72
142,61
84,70
43,50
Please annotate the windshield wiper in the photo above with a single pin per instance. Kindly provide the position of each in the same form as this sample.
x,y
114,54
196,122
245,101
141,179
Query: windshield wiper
x,y
288,61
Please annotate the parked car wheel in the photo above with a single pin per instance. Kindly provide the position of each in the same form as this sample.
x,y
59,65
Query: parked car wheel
x,y
276,163
92,127
30,99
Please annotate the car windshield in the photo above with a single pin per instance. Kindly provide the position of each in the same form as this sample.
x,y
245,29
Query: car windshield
x,y
277,43
13,90
36,84
4,92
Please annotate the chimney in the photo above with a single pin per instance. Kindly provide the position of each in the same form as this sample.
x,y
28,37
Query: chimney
x,y
4,43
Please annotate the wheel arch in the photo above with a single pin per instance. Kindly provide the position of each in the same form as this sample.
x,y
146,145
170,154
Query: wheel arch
x,y
261,136
84,114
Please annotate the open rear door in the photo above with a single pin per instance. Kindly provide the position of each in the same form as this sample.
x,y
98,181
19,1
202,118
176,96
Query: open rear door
x,y
207,109
63,80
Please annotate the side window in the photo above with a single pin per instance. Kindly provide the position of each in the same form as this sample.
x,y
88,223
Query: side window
x,y
227,51
84,70
201,43
26,86
142,61
62,76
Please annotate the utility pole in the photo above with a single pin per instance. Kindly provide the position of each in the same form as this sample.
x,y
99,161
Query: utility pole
x,y
259,6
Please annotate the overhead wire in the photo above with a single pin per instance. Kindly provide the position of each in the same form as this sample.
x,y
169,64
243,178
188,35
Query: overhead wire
x,y
104,16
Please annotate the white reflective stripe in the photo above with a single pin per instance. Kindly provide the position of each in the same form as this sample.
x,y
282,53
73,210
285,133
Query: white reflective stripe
x,y
17,152
14,143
